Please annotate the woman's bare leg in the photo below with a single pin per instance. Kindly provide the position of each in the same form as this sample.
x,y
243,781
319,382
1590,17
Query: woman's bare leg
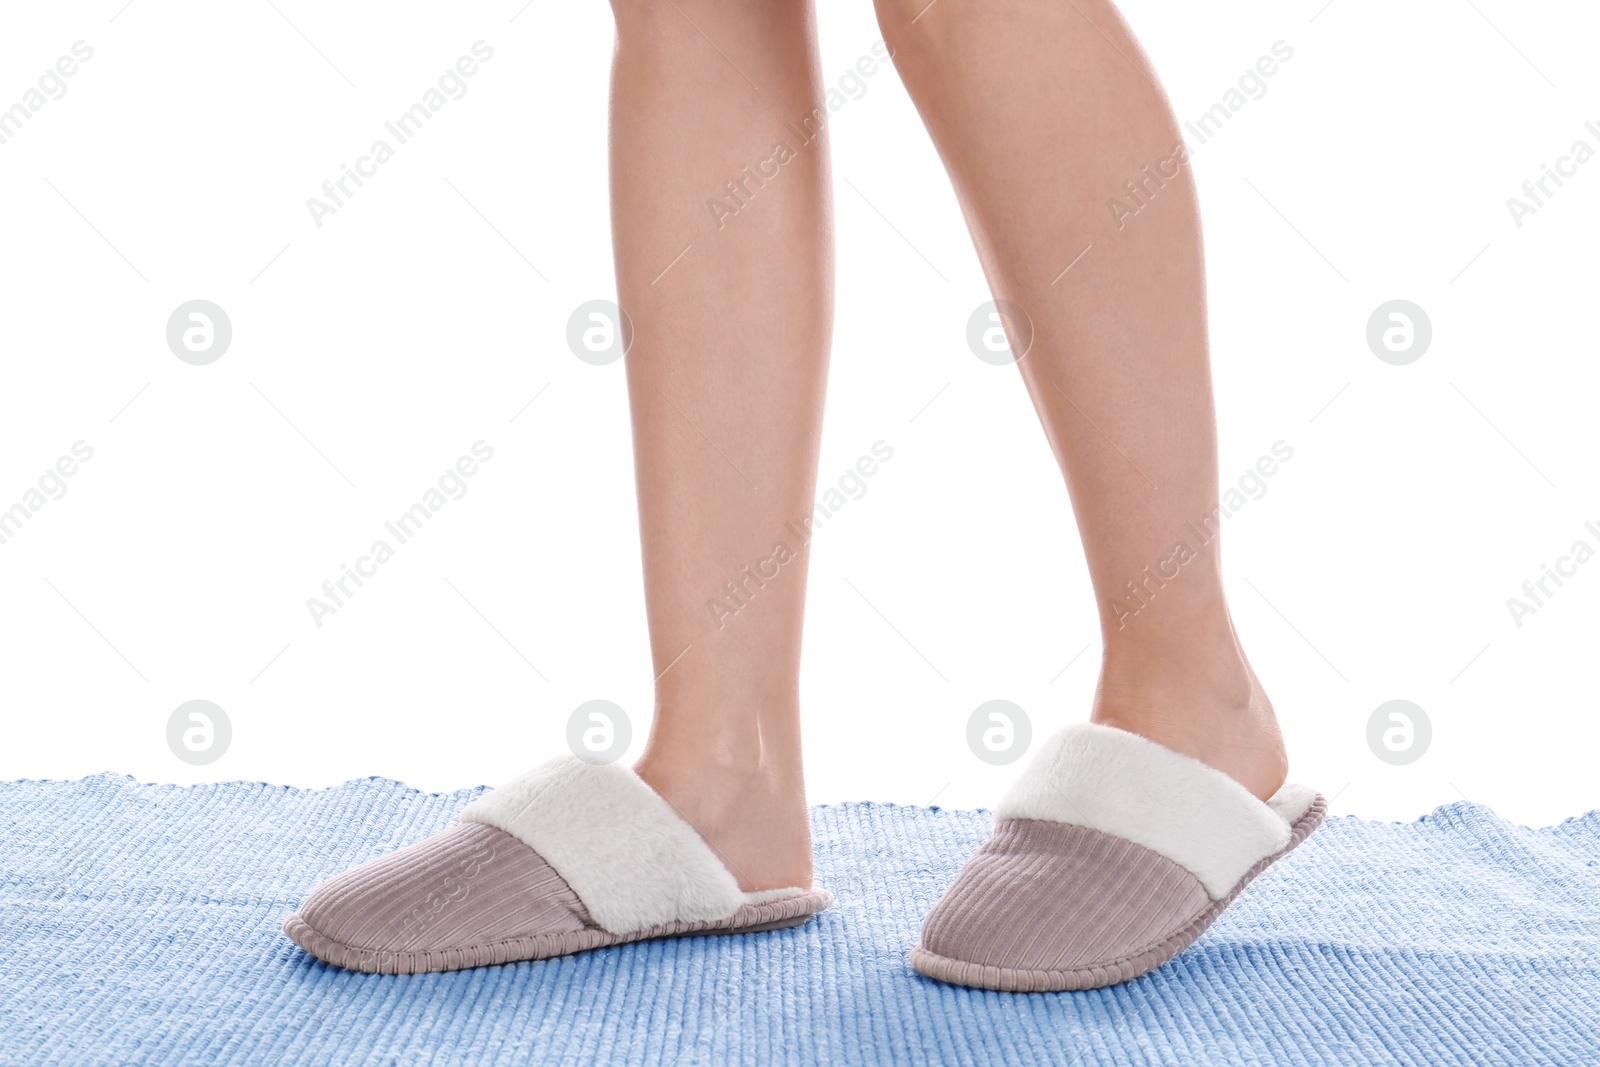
x,y
723,247
1043,111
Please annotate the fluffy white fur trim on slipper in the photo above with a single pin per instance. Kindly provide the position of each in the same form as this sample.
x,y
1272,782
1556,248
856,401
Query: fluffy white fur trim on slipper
x,y
632,859
1131,787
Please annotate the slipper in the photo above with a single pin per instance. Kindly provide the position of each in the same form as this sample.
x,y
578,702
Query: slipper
x,y
569,857
1110,855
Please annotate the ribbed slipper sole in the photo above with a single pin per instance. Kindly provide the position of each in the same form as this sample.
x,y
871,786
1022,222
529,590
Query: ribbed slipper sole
x,y
751,918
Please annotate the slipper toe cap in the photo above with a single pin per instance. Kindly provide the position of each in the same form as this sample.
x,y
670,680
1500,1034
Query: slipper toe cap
x,y
1049,906
457,893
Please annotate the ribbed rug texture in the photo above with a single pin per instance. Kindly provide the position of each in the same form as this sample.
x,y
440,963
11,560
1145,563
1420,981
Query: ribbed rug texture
x,y
139,925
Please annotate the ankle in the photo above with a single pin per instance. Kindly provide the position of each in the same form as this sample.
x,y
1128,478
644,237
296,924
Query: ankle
x,y
746,749
754,816
720,778
1215,712
742,789
1211,671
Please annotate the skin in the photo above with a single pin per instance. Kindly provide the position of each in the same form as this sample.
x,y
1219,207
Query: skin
x,y
1041,112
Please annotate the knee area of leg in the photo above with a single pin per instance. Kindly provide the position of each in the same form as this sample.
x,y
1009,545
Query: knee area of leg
x,y
630,11
697,12
895,23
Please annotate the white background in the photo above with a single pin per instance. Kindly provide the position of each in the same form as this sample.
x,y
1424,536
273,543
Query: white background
x,y
416,322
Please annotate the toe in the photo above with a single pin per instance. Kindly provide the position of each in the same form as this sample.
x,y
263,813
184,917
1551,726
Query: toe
x,y
1060,906
469,886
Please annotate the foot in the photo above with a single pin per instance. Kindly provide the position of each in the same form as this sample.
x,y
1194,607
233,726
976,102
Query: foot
x,y
1221,717
565,858
752,812
1110,855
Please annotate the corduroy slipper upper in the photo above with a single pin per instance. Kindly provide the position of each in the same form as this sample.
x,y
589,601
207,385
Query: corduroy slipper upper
x,y
570,856
1110,855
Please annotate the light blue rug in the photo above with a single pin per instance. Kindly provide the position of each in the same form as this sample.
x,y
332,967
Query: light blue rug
x,y
139,925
